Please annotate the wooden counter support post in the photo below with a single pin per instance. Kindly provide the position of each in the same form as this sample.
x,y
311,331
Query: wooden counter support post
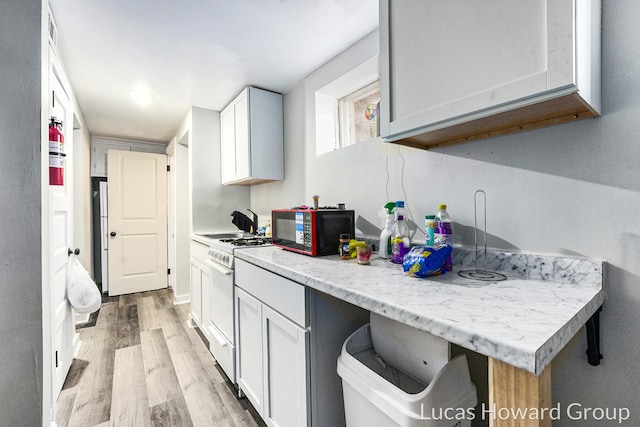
x,y
517,397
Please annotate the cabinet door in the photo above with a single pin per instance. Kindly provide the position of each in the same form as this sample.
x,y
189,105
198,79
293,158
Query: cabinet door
x,y
205,286
228,144
252,138
453,72
99,159
443,68
249,348
243,149
195,278
285,365
101,146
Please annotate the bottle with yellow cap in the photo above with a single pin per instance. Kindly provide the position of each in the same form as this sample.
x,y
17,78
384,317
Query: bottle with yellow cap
x,y
443,234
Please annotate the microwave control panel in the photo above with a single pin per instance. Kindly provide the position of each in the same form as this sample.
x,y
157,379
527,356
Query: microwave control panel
x,y
303,229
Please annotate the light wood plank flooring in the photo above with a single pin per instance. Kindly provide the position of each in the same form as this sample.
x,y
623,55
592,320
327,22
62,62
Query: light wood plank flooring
x,y
142,365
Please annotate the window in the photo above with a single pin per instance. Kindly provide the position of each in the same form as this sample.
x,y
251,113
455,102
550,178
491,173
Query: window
x,y
358,115
346,111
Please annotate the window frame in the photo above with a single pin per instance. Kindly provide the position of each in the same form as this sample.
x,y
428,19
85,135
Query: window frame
x,y
327,122
347,115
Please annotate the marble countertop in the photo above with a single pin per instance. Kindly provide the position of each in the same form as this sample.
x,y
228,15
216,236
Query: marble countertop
x,y
523,321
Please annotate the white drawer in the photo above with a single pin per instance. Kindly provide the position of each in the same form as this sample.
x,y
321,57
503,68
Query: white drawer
x,y
283,295
199,251
223,351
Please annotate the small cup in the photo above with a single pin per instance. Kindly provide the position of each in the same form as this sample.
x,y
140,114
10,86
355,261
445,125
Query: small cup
x,y
363,253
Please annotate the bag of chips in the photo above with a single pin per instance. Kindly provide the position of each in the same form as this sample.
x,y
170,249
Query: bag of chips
x,y
423,261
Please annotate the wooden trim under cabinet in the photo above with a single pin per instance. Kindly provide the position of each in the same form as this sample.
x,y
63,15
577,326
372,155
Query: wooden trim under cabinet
x,y
252,181
554,111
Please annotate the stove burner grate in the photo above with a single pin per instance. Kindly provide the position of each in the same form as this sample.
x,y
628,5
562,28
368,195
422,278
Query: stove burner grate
x,y
248,241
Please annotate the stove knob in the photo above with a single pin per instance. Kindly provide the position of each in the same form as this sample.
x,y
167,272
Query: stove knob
x,y
226,259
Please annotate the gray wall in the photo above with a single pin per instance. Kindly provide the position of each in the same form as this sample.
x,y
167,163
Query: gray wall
x,y
20,227
211,203
572,189
82,192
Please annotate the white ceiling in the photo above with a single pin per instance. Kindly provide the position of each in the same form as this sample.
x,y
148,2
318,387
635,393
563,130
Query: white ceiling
x,y
194,52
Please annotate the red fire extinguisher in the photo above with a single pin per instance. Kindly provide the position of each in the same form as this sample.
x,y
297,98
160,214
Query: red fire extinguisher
x,y
56,152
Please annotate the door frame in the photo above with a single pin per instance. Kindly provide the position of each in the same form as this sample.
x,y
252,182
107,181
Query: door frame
x,y
171,215
123,225
52,69
180,205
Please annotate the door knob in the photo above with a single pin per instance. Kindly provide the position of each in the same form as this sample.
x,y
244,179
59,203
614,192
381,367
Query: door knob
x,y
75,251
112,234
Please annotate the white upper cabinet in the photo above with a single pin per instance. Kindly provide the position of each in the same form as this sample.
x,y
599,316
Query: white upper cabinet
x,y
252,147
457,71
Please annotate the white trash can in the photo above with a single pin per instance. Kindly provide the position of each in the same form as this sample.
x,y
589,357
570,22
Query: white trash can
x,y
377,394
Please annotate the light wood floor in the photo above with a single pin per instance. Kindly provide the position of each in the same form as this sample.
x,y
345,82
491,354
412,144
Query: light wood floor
x,y
142,365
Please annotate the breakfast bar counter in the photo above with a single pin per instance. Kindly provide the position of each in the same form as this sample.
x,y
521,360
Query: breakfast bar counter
x,y
520,323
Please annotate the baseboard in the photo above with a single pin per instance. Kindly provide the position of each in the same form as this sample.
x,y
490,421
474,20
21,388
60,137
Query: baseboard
x,y
182,299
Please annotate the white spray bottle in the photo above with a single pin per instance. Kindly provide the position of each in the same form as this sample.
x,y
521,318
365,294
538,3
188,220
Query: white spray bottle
x,y
385,235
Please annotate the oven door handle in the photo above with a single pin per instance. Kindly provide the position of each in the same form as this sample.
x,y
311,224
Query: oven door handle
x,y
218,337
219,268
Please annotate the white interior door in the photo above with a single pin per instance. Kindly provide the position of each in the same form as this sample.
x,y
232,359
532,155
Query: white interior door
x,y
61,238
137,221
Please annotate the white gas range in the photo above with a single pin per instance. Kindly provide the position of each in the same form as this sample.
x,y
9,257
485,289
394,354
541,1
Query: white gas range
x,y
221,325
221,250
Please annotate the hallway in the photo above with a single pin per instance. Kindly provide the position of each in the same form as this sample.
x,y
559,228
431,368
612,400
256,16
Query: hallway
x,y
142,365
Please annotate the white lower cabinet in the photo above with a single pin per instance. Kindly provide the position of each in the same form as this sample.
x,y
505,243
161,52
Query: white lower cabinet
x,y
199,278
250,370
272,362
284,349
196,277
288,338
